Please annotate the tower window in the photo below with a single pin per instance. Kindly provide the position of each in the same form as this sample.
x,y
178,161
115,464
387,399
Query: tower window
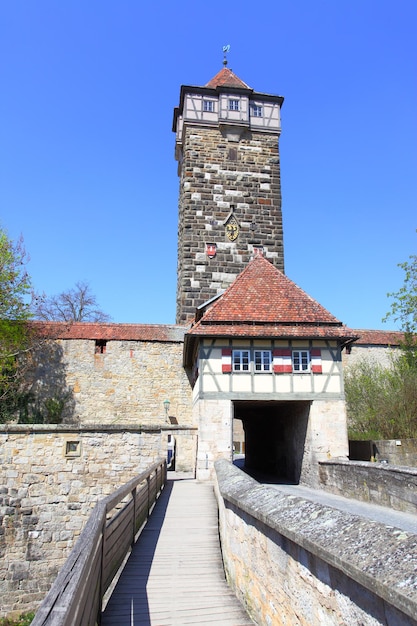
x,y
256,110
208,106
233,105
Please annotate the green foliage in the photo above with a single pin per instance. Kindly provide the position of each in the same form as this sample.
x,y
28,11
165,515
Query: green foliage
x,y
404,306
15,336
32,410
382,401
23,620
54,409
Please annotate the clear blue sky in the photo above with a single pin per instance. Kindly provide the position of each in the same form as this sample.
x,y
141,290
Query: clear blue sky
x,y
87,169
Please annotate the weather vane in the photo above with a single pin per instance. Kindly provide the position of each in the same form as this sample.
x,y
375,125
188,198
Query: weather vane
x,y
225,51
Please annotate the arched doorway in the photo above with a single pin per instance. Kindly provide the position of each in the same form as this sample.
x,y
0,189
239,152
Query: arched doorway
x,y
274,438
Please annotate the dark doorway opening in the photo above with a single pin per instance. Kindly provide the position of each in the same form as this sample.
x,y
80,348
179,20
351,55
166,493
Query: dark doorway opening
x,y
275,436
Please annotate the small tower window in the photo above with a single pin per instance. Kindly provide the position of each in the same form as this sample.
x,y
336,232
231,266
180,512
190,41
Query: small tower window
x,y
256,110
233,105
100,347
208,106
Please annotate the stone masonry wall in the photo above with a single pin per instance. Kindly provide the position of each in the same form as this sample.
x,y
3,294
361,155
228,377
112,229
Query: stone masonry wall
x,y
219,175
397,451
383,355
51,478
386,485
127,384
292,561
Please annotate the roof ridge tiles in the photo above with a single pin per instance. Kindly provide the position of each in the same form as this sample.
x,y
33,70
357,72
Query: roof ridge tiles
x,y
226,78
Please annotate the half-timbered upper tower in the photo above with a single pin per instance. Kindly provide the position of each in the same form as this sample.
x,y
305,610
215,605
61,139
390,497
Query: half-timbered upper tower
x,y
230,191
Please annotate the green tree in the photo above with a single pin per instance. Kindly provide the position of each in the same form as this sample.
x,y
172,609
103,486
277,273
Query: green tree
x,y
15,334
404,310
381,401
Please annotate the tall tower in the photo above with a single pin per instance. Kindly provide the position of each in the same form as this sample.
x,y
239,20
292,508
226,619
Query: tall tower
x,y
230,190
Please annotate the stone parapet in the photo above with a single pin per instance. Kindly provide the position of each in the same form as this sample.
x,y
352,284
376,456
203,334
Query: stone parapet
x,y
292,561
386,485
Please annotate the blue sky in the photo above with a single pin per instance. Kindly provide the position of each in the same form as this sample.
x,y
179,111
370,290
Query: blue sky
x,y
87,169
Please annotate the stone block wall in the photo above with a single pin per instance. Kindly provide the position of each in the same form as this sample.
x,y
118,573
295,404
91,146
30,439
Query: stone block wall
x,y
215,431
396,451
387,485
296,562
127,384
51,478
218,175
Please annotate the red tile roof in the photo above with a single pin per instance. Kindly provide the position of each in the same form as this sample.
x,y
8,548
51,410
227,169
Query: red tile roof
x,y
226,78
263,302
379,337
110,332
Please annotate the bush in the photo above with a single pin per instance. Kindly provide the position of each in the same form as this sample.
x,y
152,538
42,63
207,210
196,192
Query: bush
x,y
382,401
23,620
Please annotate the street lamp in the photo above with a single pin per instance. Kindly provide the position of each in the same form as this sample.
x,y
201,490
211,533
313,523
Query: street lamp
x,y
167,404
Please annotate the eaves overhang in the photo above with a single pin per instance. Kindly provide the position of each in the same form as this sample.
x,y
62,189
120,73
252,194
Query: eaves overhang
x,y
336,332
254,95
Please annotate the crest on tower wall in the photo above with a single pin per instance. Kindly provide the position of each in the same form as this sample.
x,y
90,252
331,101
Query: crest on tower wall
x,y
232,228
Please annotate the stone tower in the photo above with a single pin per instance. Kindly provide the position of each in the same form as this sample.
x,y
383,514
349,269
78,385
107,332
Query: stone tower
x,y
230,190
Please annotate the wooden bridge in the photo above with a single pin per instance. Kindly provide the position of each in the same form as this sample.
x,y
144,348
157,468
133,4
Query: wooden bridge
x,y
174,575
175,572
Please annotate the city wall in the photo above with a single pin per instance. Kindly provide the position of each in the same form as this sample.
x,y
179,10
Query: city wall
x,y
296,562
51,478
111,380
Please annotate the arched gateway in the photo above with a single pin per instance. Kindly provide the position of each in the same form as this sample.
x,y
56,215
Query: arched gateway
x,y
267,354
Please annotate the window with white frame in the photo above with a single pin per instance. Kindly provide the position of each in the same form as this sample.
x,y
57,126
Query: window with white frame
x,y
262,359
300,360
256,110
208,106
241,360
233,105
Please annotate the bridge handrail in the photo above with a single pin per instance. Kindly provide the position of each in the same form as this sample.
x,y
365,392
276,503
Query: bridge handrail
x,y
75,597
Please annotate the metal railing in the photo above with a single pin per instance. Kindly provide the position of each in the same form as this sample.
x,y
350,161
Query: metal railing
x,y
75,598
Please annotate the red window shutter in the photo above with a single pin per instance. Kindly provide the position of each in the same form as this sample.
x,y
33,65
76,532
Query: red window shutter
x,y
226,360
282,360
316,364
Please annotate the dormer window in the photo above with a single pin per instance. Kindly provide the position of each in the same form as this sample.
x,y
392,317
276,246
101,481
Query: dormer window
x,y
233,105
208,106
256,110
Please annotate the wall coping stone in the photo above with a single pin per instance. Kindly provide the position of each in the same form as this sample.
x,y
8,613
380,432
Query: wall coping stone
x,y
381,558
29,429
377,466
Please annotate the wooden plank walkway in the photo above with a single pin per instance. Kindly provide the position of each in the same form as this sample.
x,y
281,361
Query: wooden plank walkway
x,y
174,576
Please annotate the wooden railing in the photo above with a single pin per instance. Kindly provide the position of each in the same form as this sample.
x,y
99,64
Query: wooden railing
x,y
75,598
